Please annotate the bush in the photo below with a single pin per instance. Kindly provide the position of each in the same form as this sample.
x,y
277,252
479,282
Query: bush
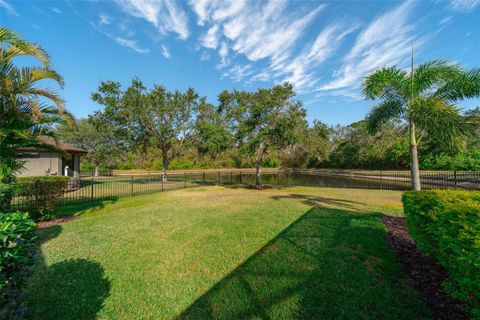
x,y
446,225
17,231
464,161
41,194
180,164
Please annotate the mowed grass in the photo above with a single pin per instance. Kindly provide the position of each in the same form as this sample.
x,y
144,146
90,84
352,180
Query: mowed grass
x,y
225,253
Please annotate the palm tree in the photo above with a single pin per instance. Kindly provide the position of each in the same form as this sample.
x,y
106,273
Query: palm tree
x,y
424,98
27,109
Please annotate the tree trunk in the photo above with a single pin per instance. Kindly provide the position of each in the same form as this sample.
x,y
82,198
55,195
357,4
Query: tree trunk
x,y
96,171
165,164
258,181
415,171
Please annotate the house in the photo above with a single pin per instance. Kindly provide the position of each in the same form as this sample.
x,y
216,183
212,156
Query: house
x,y
38,162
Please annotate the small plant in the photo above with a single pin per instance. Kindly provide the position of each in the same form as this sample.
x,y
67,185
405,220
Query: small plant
x,y
446,225
41,194
17,232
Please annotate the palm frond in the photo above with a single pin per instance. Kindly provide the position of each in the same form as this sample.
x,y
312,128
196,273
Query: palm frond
x,y
382,113
381,80
439,118
432,74
30,75
18,47
462,86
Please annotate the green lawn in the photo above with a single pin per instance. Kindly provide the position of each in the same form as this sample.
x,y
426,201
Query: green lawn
x,y
225,253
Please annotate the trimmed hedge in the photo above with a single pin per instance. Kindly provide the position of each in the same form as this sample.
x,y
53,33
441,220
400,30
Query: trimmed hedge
x,y
446,225
41,194
17,232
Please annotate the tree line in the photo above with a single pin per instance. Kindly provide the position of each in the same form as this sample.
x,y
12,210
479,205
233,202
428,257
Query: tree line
x,y
415,123
156,129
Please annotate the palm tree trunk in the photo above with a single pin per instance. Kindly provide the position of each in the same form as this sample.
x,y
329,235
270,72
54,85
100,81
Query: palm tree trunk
x,y
415,171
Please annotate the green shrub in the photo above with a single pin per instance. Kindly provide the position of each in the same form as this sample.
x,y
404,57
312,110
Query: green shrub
x,y
40,194
17,231
180,164
446,225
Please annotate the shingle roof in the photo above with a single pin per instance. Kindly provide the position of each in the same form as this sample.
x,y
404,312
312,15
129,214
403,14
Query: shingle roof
x,y
60,145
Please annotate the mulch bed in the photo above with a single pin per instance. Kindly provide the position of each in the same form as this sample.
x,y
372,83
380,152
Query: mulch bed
x,y
46,224
426,276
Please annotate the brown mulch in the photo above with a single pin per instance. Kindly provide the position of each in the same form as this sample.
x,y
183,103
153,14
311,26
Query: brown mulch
x,y
46,224
426,276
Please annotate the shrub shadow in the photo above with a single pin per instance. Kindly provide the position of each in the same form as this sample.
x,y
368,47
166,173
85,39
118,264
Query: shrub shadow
x,y
328,264
82,207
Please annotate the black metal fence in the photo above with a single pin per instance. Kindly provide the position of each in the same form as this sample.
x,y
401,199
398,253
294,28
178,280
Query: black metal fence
x,y
104,187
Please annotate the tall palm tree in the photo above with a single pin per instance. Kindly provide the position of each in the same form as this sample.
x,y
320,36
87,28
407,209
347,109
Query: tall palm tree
x,y
27,109
424,98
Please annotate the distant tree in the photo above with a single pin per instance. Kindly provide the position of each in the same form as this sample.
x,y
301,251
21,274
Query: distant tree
x,y
423,99
27,110
265,120
95,135
316,141
159,117
212,136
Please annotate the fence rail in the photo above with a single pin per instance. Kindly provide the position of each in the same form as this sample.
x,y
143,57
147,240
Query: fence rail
x,y
104,187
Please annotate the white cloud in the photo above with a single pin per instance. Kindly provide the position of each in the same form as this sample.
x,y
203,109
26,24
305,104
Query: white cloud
x,y
386,41
4,4
129,43
464,5
204,56
257,31
211,38
165,15
165,52
56,10
132,44
302,70
104,20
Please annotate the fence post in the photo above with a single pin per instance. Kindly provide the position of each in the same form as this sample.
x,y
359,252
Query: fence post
x,y
455,179
218,177
231,177
350,180
241,180
203,177
91,190
185,179
161,182
131,184
278,178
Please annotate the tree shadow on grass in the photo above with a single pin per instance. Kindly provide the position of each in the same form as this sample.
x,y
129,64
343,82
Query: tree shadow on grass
x,y
77,289
69,289
315,201
328,264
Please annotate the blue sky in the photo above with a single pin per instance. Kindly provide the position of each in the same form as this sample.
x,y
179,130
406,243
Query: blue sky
x,y
324,48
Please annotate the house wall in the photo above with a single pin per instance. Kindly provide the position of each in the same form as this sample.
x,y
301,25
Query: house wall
x,y
39,166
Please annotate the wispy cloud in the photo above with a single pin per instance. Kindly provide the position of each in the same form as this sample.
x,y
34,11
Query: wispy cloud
x,y
386,41
165,52
129,43
257,31
464,5
132,44
165,15
104,20
4,4
56,10
302,70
